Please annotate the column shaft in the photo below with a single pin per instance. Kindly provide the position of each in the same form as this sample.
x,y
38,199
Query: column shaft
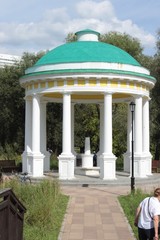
x,y
36,124
146,126
66,148
72,128
101,147
28,125
43,127
108,123
138,125
129,130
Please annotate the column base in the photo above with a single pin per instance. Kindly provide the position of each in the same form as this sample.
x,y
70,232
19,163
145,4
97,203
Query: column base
x,y
33,163
46,165
66,166
98,158
142,164
107,167
126,162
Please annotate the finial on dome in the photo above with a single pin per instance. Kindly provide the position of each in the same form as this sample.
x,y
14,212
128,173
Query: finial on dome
x,y
87,35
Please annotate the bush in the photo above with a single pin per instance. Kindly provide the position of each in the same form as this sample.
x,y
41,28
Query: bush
x,y
46,206
53,162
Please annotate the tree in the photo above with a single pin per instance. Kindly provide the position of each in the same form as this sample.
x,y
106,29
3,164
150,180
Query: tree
x,y
12,102
124,41
87,125
54,127
155,103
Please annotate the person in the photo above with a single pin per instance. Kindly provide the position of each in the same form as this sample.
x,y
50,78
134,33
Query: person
x,y
94,159
147,217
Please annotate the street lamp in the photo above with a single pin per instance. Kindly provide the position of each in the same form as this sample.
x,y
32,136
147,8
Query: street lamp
x,y
132,107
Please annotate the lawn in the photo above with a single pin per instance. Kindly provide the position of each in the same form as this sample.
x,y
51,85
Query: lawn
x,y
129,204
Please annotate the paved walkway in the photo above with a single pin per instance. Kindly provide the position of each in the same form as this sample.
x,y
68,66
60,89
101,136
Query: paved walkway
x,y
94,212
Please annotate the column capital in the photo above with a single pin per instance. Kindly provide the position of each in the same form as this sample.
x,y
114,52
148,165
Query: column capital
x,y
108,93
65,92
28,98
137,97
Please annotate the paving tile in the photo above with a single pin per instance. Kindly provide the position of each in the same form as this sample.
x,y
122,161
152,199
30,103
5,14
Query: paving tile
x,y
94,213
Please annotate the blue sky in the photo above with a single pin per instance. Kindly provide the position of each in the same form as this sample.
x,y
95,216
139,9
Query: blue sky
x,y
34,25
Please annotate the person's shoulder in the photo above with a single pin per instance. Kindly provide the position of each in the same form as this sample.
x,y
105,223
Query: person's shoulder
x,y
144,200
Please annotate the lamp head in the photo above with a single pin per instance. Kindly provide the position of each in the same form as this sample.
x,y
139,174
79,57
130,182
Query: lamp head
x,y
132,106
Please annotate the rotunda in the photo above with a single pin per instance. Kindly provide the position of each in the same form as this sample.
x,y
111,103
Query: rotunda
x,y
86,71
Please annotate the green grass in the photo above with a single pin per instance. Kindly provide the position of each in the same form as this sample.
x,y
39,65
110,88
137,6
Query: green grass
x,y
129,204
46,206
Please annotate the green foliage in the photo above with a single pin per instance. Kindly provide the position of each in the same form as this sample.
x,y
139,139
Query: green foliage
x,y
71,37
155,104
87,125
9,152
129,204
125,42
53,162
45,205
119,113
12,101
54,127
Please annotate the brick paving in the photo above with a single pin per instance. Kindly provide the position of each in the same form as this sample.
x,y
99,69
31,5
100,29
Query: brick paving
x,y
94,212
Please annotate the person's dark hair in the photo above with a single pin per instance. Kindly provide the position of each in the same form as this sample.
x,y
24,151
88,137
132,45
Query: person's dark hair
x,y
157,192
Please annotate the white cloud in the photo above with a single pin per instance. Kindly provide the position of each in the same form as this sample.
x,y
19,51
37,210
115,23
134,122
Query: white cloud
x,y
55,24
91,9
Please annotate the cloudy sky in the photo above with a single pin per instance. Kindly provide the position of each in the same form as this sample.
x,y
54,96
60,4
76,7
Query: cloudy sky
x,y
34,25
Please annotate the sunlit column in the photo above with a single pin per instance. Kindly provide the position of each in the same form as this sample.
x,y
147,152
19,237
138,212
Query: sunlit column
x,y
138,125
36,124
43,127
107,123
146,125
28,125
66,148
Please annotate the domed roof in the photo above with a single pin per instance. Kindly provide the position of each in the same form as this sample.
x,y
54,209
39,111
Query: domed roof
x,y
87,55
87,51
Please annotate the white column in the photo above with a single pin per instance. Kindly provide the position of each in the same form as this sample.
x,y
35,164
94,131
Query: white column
x,y
28,125
36,160
107,124
66,147
146,126
107,161
140,169
127,155
138,125
72,128
66,159
101,138
146,140
36,124
43,127
129,130
43,135
28,135
101,128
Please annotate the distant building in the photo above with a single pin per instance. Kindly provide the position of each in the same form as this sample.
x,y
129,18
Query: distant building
x,y
8,60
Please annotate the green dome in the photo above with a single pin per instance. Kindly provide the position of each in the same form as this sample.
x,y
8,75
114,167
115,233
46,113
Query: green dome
x,y
86,51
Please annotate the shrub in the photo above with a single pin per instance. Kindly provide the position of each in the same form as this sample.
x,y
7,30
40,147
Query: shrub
x,y
46,206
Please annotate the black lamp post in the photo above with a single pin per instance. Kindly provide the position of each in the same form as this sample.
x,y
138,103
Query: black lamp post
x,y
132,107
